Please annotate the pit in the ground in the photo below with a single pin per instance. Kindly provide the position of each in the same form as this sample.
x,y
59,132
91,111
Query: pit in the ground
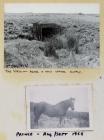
x,y
44,31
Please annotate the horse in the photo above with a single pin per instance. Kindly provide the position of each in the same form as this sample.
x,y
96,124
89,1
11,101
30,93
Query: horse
x,y
58,110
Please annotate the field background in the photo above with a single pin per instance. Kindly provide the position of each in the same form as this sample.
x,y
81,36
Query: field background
x,y
25,53
72,120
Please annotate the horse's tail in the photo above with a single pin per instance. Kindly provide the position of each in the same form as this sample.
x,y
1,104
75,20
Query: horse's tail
x,y
33,108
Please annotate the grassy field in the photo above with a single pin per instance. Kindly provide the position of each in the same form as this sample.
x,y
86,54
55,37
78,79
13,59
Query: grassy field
x,y
19,52
72,120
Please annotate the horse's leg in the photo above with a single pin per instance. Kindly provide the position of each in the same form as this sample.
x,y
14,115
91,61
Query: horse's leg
x,y
36,122
64,122
60,121
32,120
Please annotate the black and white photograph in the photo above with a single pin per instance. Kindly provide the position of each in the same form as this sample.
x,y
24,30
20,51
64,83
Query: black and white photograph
x,y
51,35
59,107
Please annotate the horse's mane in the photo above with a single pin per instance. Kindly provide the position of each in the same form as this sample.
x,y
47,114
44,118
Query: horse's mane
x,y
64,101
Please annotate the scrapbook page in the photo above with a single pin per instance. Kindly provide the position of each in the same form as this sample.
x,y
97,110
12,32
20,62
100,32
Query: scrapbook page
x,y
51,70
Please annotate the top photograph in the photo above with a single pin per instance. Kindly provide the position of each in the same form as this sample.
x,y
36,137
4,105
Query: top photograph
x,y
51,35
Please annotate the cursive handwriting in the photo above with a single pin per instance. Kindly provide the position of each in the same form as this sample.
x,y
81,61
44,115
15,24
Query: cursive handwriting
x,y
24,134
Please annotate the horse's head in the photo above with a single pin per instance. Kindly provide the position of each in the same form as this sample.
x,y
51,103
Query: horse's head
x,y
72,101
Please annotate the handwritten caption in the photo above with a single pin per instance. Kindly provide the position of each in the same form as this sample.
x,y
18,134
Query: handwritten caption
x,y
42,71
51,134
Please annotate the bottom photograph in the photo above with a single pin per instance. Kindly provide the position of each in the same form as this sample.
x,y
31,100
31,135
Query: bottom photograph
x,y
63,107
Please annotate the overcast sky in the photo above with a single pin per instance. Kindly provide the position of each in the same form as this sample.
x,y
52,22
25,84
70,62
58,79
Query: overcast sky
x,y
55,94
91,8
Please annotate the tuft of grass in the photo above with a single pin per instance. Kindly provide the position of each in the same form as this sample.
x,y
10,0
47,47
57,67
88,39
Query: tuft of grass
x,y
50,48
72,41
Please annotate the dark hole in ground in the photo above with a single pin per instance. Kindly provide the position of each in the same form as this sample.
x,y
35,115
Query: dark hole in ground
x,y
48,32
44,31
